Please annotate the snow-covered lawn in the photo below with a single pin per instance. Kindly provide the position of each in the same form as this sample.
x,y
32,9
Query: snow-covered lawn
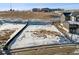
x,y
28,39
10,26
7,29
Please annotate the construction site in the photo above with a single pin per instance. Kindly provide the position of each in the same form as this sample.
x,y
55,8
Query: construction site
x,y
39,32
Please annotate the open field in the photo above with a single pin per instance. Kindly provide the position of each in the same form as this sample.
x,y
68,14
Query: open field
x,y
28,14
35,35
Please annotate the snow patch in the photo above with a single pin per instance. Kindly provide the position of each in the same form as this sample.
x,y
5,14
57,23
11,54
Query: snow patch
x,y
27,39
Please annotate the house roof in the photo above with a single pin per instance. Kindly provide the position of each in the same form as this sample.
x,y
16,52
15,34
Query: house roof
x,y
67,13
75,13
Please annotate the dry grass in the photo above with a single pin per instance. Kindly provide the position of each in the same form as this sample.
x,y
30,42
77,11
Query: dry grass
x,y
5,35
60,29
48,51
45,33
27,15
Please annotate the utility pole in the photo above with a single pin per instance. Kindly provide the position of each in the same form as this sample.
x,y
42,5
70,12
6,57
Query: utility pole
x,y
10,6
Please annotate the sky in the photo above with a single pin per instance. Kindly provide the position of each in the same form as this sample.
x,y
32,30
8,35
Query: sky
x,y
27,6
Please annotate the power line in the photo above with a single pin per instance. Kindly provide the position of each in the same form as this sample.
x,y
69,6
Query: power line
x,y
10,5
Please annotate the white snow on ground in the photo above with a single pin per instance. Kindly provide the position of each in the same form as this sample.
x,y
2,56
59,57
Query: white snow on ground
x,y
15,32
27,39
47,27
10,26
75,38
